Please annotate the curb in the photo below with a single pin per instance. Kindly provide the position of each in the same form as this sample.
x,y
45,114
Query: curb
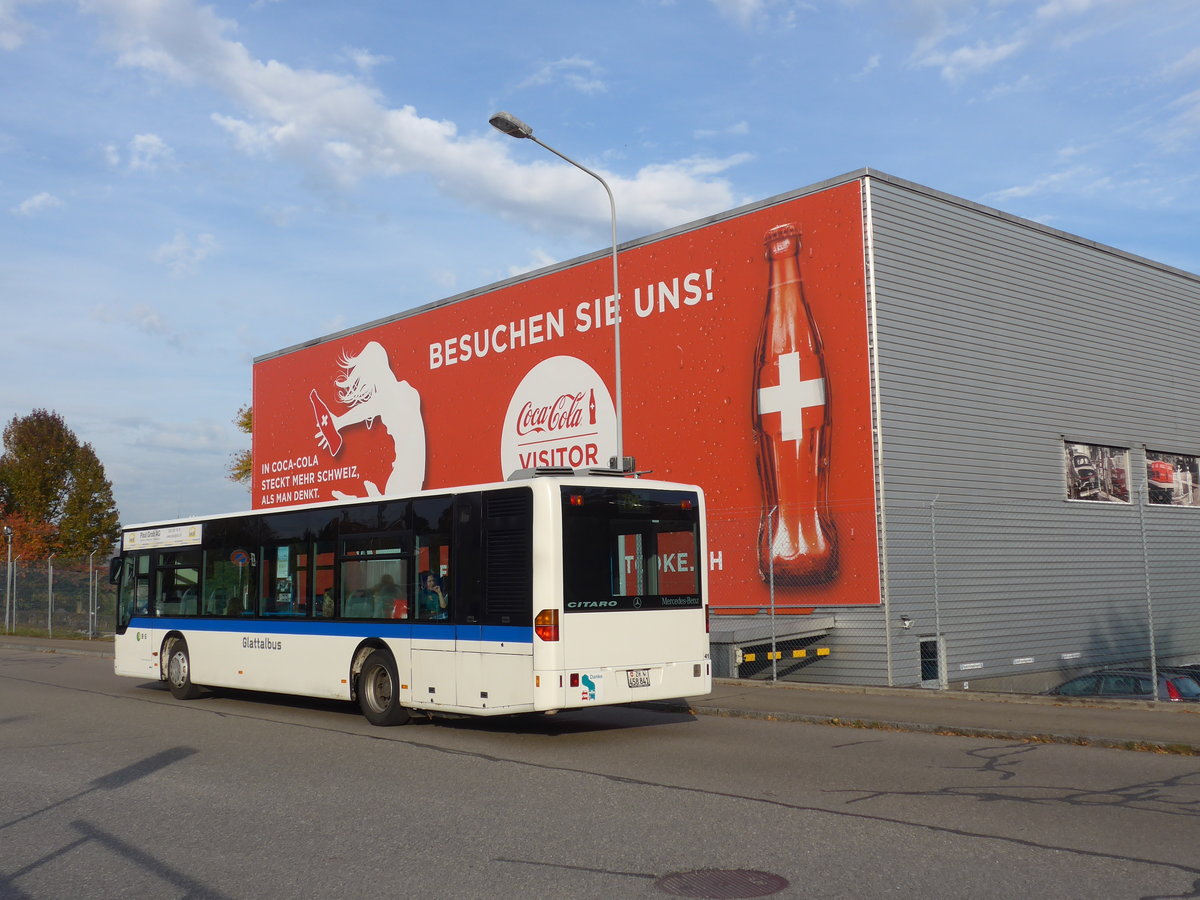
x,y
1173,748
66,650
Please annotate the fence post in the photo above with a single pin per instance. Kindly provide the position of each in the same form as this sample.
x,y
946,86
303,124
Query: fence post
x,y
50,596
771,580
1149,597
8,536
943,676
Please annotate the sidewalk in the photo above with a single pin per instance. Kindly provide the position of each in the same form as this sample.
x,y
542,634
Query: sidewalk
x,y
69,646
1165,726
1131,724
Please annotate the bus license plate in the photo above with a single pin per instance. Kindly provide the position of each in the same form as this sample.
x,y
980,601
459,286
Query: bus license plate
x,y
639,677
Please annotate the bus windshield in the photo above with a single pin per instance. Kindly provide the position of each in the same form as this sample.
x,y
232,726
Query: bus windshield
x,y
630,549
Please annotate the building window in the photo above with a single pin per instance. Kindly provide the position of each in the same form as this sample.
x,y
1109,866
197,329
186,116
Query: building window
x,y
1172,479
1097,473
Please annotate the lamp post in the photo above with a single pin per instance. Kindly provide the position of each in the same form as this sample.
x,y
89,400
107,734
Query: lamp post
x,y
514,127
93,595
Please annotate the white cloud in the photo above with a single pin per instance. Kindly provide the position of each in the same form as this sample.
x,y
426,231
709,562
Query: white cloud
x,y
578,74
341,129
38,203
1183,66
365,60
744,12
1058,9
1046,184
958,64
748,13
149,152
736,129
1184,126
12,29
182,256
870,66
538,259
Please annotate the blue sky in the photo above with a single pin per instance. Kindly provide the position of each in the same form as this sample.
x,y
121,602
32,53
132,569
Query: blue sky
x,y
185,186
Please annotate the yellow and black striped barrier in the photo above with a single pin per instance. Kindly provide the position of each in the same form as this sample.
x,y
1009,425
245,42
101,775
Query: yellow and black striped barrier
x,y
780,654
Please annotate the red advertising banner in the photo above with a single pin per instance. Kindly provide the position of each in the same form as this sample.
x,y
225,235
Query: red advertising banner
x,y
745,369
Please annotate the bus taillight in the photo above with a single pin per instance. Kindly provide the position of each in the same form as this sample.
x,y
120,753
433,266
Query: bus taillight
x,y
545,625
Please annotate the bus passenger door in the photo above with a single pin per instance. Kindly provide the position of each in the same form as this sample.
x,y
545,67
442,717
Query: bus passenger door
x,y
135,641
467,601
434,675
495,623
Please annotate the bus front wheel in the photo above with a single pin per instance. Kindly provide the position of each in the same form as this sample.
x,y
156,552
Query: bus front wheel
x,y
179,672
379,690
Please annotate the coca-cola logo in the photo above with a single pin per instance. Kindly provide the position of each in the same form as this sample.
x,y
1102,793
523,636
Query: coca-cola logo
x,y
561,414
565,412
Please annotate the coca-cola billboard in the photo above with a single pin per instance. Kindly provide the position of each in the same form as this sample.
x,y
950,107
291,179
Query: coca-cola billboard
x,y
745,369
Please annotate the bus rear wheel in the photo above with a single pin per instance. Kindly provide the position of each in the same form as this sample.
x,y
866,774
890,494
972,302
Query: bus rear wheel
x,y
379,690
179,672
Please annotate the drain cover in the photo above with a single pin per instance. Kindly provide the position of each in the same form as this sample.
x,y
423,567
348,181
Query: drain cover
x,y
721,884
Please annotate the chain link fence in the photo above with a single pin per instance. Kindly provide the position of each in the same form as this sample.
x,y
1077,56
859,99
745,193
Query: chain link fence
x,y
966,595
61,598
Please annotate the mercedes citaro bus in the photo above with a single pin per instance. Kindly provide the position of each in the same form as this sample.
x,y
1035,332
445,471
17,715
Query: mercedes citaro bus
x,y
554,590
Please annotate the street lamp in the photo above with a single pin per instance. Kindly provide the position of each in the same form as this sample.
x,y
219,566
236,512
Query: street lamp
x,y
514,127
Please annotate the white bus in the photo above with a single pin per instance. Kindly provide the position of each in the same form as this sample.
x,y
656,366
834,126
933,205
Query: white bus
x,y
550,591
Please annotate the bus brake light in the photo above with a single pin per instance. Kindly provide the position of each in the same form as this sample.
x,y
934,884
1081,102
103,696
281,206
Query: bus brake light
x,y
545,625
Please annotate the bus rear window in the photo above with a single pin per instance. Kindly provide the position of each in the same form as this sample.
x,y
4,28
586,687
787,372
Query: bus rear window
x,y
630,548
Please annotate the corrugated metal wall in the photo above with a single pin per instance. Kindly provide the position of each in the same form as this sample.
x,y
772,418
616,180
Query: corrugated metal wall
x,y
997,341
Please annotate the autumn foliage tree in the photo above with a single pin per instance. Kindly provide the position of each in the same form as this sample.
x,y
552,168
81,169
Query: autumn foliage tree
x,y
54,493
239,463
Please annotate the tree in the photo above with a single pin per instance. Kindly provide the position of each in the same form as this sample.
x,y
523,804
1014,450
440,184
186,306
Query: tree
x,y
89,520
35,470
239,463
53,489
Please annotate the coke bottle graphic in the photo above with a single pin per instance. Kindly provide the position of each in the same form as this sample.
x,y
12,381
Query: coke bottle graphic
x,y
327,435
796,540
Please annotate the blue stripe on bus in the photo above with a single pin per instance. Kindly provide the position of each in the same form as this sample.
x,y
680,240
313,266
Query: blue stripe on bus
x,y
430,631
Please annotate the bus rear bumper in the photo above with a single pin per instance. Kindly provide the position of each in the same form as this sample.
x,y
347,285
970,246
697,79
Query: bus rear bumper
x,y
605,685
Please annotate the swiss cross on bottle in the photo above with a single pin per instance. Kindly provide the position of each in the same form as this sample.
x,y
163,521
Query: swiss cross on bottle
x,y
796,542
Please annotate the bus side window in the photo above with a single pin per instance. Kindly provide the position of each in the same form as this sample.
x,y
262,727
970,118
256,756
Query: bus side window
x,y
432,526
229,581
178,583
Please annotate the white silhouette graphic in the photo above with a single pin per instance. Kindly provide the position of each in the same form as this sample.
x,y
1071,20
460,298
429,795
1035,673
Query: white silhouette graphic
x,y
373,392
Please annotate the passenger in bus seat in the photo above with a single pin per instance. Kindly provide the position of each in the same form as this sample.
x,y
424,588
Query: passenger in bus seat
x,y
432,602
390,602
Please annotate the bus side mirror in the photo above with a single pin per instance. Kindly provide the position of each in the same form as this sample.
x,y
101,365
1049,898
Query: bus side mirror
x,y
114,570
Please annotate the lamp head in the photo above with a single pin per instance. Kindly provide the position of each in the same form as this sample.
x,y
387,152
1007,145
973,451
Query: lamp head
x,y
510,125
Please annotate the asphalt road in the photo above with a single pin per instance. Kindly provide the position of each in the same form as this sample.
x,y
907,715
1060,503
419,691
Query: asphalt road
x,y
110,788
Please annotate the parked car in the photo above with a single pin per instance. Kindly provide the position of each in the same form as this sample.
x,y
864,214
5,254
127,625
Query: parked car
x,y
1161,479
1084,483
1192,672
1130,684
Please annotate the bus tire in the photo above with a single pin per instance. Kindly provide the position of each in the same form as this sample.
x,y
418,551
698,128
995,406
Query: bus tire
x,y
379,690
179,672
